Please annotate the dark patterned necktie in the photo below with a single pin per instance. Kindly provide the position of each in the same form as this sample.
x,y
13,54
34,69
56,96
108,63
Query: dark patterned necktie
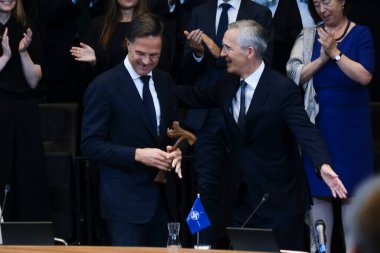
x,y
241,118
148,102
223,23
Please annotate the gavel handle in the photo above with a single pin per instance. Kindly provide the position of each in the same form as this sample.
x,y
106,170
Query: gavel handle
x,y
161,175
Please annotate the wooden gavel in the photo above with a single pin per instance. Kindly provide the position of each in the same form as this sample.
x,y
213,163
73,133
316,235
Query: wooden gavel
x,y
175,132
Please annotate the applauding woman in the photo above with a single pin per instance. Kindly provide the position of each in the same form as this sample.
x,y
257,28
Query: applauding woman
x,y
105,46
334,62
22,163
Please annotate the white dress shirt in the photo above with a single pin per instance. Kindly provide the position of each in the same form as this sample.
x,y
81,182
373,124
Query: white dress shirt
x,y
252,80
307,20
139,86
232,11
232,15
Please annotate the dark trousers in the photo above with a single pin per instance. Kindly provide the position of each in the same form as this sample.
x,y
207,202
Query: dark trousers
x,y
22,161
210,151
151,234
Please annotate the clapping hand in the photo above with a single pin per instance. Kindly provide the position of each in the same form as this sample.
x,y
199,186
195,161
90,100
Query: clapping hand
x,y
25,41
5,44
195,41
84,53
328,43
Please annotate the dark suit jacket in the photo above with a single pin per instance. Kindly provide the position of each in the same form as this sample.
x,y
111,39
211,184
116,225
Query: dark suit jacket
x,y
114,125
207,71
266,155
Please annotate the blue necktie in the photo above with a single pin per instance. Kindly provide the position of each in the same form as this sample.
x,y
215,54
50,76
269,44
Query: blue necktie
x,y
241,118
223,23
148,102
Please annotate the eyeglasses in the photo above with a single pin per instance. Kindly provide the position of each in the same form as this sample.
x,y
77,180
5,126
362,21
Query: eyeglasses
x,y
226,48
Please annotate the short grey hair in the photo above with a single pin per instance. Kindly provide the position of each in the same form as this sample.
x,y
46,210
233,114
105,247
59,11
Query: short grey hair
x,y
363,223
251,34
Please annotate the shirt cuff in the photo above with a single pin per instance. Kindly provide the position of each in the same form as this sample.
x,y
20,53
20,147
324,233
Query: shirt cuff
x,y
198,59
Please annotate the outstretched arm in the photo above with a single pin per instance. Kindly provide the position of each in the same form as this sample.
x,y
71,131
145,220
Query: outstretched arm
x,y
333,182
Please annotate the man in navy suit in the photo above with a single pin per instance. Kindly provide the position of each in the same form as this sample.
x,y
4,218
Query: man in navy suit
x,y
126,113
201,67
263,111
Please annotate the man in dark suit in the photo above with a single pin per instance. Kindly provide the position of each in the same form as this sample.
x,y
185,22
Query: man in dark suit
x,y
263,111
126,112
201,67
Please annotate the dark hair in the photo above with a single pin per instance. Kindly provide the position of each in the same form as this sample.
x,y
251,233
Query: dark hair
x,y
315,15
143,26
112,18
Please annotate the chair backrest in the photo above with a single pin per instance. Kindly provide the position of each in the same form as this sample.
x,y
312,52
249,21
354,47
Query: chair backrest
x,y
59,126
375,117
252,239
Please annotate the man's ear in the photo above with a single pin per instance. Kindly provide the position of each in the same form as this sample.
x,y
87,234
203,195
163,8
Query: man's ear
x,y
126,43
251,52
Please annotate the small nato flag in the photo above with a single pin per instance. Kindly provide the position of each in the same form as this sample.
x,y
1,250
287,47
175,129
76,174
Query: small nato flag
x,y
197,219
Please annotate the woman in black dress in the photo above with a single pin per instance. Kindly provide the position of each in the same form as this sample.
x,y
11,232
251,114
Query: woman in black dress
x,y
22,161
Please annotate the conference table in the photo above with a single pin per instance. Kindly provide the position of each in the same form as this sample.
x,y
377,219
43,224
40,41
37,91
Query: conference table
x,y
104,249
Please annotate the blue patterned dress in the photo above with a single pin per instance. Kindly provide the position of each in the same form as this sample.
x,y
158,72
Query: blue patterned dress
x,y
344,117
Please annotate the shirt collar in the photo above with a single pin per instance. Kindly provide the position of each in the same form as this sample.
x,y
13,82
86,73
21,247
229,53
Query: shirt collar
x,y
253,79
131,70
234,3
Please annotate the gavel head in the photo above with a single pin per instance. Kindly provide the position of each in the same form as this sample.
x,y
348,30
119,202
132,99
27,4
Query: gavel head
x,y
177,132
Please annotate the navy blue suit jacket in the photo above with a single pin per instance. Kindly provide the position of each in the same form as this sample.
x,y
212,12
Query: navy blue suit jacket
x,y
266,156
114,125
207,71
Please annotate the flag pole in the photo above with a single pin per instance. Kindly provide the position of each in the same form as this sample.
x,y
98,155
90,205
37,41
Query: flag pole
x,y
199,197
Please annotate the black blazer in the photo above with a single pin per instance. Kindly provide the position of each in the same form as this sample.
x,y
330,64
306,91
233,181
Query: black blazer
x,y
114,125
208,71
265,155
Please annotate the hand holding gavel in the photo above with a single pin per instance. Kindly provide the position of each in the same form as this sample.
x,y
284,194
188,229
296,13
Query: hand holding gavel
x,y
175,132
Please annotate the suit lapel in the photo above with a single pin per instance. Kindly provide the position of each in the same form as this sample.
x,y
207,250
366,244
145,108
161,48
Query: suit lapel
x,y
210,26
232,86
243,11
132,96
162,98
259,97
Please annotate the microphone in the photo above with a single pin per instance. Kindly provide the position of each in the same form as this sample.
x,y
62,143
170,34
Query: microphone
x,y
7,188
320,227
263,199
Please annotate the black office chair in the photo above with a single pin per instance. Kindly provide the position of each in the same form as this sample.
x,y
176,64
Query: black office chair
x,y
375,117
59,127
59,170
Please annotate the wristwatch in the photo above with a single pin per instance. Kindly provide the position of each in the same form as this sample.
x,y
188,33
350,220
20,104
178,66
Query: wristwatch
x,y
338,56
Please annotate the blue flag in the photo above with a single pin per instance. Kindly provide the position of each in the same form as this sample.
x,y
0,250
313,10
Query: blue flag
x,y
197,218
